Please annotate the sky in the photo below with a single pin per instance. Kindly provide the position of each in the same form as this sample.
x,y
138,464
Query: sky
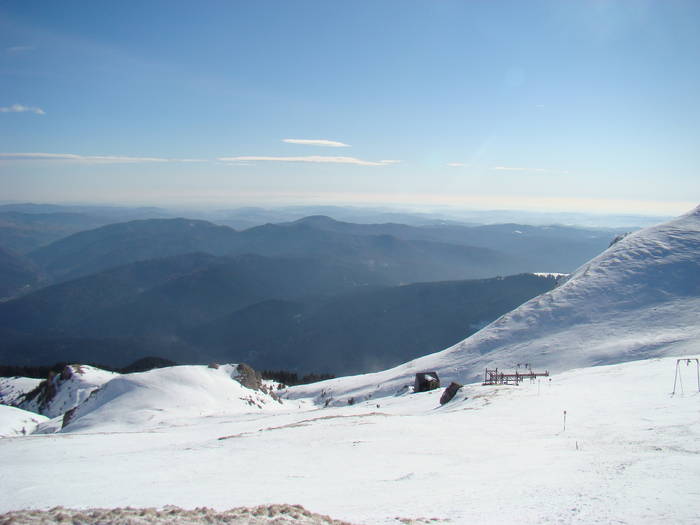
x,y
540,105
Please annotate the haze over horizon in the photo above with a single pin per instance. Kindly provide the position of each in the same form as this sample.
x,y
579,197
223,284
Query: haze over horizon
x,y
542,106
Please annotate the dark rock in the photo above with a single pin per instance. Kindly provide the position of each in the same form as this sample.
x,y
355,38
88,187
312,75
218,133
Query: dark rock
x,y
248,377
67,417
449,393
66,373
215,366
426,381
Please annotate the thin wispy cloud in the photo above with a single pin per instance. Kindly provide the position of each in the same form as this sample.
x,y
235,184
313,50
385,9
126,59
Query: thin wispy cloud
x,y
19,49
88,159
311,159
537,170
20,108
456,164
317,142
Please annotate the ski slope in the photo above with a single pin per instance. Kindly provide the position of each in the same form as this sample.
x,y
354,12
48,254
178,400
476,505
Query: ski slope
x,y
498,454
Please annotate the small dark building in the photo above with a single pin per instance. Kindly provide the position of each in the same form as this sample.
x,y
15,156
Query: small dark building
x,y
426,381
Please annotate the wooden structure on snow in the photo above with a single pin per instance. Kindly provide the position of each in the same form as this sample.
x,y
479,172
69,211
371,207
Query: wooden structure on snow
x,y
496,377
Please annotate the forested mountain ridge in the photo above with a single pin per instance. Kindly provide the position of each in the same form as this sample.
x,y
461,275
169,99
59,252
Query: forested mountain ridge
x,y
396,259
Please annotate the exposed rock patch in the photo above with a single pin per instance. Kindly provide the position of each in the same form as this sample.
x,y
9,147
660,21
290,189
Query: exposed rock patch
x,y
261,515
248,377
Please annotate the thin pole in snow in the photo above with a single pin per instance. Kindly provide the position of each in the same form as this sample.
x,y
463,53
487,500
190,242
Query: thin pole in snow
x,y
564,421
675,379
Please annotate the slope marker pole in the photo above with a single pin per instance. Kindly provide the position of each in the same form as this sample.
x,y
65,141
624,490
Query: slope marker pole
x,y
675,379
564,421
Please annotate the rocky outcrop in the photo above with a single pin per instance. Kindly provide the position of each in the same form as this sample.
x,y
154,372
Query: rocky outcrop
x,y
449,393
261,515
248,377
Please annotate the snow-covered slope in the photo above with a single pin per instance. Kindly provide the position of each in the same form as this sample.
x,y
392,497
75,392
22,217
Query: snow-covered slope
x,y
64,391
629,454
149,400
638,299
17,422
13,388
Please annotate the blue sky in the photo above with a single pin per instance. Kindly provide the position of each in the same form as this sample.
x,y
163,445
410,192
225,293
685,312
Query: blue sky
x,y
548,105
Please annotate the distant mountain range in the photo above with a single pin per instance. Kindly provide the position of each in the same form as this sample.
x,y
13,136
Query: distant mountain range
x,y
545,248
25,227
311,295
396,260
297,314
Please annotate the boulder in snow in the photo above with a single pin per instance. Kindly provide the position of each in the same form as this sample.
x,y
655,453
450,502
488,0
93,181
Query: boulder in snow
x,y
449,392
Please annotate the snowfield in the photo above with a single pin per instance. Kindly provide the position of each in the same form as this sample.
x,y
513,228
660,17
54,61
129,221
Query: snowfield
x,y
601,440
630,453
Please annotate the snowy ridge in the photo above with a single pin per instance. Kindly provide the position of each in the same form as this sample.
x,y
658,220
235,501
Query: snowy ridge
x,y
638,299
164,396
62,392
12,389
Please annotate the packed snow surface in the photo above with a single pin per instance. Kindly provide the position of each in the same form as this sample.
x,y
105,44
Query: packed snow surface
x,y
638,299
629,453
